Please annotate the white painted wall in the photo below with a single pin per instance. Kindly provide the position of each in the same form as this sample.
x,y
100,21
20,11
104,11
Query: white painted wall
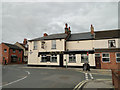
x,y
104,43
91,59
80,45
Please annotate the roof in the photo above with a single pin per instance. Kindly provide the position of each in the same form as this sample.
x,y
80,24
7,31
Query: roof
x,y
83,36
80,36
26,48
107,34
51,37
12,46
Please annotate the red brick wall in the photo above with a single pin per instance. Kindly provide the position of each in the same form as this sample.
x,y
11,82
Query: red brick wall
x,y
112,64
4,54
19,55
8,54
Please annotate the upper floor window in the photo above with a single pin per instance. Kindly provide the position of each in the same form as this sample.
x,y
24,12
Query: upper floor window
x,y
97,55
13,50
5,50
35,45
84,58
53,44
117,57
111,43
105,57
19,51
54,58
72,58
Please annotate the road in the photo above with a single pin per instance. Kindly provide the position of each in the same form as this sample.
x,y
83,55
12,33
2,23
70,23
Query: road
x,y
21,76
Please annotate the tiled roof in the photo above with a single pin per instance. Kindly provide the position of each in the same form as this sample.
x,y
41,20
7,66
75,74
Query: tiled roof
x,y
12,46
50,37
83,36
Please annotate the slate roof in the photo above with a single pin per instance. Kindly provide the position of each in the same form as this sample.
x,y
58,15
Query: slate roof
x,y
83,36
12,46
107,34
51,37
80,36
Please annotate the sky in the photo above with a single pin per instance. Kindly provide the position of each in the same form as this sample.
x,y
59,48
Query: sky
x,y
32,19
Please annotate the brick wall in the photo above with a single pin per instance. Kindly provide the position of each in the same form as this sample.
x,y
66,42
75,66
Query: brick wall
x,y
112,64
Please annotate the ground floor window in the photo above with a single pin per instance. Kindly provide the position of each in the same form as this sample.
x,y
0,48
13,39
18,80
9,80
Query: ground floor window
x,y
72,58
53,58
117,57
43,58
97,55
84,58
105,57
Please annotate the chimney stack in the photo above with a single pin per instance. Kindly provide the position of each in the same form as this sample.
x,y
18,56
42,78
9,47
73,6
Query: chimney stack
x,y
92,29
25,41
45,34
67,30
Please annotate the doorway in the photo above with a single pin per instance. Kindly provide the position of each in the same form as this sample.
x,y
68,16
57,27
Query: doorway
x,y
98,62
61,60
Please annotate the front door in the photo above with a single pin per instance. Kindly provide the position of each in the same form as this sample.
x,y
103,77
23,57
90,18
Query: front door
x,y
98,62
61,60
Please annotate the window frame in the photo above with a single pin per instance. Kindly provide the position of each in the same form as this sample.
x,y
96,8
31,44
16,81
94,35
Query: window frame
x,y
53,44
109,42
117,57
105,57
53,56
87,58
14,51
35,45
5,51
73,56
98,55
43,56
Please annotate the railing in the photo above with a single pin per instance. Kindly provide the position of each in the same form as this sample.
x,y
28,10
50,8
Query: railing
x,y
116,78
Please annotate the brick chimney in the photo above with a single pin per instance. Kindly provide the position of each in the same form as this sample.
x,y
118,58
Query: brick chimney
x,y
25,41
92,29
45,34
67,30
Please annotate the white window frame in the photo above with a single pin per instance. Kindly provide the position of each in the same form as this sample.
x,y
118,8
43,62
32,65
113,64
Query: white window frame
x,y
53,44
44,57
52,57
35,45
72,56
117,57
105,57
87,58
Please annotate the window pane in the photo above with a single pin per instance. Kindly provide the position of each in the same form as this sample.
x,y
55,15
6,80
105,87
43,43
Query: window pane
x,y
35,45
97,55
54,58
105,55
72,58
118,59
84,58
54,44
105,59
118,54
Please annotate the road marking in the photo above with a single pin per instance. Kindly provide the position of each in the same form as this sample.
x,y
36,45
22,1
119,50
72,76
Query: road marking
x,y
91,76
86,76
14,81
28,72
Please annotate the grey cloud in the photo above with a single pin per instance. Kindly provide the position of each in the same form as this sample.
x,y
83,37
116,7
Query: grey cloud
x,y
31,20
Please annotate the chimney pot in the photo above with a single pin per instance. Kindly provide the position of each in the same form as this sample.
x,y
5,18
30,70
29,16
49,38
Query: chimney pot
x,y
92,29
69,28
45,34
66,25
25,41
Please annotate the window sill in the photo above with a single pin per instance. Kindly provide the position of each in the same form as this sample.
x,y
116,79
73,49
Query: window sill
x,y
53,48
106,62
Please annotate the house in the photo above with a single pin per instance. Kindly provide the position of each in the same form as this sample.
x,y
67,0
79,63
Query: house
x,y
10,53
24,46
101,49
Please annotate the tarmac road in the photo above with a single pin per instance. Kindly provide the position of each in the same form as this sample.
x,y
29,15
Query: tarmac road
x,y
21,76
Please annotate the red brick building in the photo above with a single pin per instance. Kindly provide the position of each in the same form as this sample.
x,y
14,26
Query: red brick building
x,y
10,53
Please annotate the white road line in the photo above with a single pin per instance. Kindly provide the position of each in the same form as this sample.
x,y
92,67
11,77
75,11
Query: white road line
x,y
86,76
14,81
28,72
91,76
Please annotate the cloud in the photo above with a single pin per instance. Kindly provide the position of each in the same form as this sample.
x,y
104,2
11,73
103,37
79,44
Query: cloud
x,y
31,20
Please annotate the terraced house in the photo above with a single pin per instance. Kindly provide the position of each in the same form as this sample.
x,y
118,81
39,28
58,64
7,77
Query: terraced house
x,y
101,49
